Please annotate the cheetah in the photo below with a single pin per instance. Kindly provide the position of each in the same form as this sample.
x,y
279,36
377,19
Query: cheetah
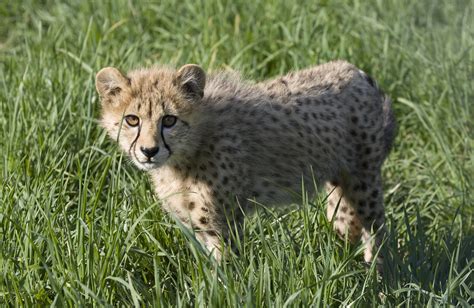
x,y
217,146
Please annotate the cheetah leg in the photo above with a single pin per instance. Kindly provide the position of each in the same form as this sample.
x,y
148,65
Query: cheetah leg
x,y
341,211
200,217
218,239
365,193
211,241
216,227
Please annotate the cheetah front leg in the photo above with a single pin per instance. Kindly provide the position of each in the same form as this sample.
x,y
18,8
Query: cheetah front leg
x,y
207,228
342,213
199,217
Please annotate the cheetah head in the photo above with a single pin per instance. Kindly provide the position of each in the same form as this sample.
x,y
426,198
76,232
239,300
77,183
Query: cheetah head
x,y
151,112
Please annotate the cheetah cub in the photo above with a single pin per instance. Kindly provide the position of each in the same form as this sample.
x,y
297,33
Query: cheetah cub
x,y
217,146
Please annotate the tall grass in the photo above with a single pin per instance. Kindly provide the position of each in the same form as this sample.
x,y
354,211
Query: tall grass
x,y
79,225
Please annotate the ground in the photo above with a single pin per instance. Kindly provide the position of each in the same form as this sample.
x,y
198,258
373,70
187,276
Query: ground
x,y
79,224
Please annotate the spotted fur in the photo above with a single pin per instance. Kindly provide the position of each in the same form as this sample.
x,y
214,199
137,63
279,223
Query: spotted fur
x,y
237,143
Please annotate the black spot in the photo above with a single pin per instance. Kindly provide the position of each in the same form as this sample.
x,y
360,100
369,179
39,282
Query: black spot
x,y
354,119
212,233
363,135
344,209
362,203
191,205
375,193
204,209
363,186
223,166
225,180
372,204
353,133
203,220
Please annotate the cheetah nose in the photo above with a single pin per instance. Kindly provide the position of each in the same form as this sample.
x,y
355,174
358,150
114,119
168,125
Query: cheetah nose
x,y
149,152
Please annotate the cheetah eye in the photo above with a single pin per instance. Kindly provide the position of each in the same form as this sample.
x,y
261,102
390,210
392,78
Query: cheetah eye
x,y
132,120
169,120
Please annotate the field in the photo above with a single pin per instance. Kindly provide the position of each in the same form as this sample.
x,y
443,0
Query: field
x,y
80,226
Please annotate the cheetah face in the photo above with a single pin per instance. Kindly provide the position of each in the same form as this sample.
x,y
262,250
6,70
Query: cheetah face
x,y
150,113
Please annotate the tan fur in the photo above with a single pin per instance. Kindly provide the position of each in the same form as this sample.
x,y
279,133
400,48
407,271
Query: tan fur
x,y
236,143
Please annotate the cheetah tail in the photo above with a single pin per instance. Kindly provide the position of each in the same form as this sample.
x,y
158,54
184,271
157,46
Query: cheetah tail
x,y
389,126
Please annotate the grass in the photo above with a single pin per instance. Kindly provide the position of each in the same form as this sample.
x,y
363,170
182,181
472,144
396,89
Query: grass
x,y
80,226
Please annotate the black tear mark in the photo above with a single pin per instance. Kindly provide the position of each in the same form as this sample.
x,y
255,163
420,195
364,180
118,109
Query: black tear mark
x,y
164,141
134,142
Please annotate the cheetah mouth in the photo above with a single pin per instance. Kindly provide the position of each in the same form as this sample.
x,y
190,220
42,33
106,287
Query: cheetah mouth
x,y
148,165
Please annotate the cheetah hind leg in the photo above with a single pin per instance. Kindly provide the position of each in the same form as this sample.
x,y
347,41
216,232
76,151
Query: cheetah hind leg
x,y
365,193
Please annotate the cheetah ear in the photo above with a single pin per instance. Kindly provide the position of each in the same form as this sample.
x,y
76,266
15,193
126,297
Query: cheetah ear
x,y
109,82
192,79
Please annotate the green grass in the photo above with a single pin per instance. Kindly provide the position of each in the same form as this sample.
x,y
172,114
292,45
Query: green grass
x,y
79,225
